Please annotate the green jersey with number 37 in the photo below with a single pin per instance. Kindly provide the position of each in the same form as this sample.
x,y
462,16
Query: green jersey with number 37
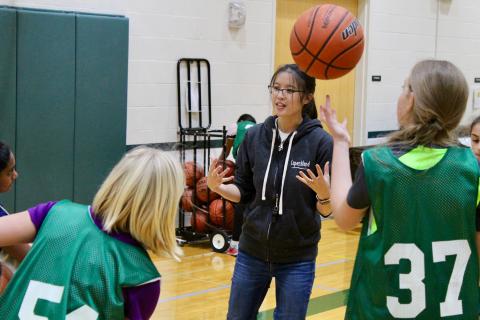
x,y
417,257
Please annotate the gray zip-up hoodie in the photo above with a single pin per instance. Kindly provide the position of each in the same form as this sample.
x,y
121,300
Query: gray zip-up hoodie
x,y
281,224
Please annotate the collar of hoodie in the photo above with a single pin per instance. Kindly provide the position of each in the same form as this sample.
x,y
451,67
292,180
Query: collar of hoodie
x,y
285,167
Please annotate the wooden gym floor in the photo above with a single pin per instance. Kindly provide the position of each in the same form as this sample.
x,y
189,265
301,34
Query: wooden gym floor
x,y
198,287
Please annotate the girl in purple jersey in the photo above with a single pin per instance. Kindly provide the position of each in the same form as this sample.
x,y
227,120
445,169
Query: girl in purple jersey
x,y
8,175
136,204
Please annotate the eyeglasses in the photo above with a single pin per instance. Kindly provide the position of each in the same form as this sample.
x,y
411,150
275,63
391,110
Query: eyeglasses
x,y
287,92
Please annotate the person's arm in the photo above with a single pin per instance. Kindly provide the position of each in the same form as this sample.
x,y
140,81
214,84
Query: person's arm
x,y
345,216
324,203
16,228
320,184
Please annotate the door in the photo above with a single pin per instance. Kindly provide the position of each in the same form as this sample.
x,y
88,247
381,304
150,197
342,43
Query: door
x,y
341,90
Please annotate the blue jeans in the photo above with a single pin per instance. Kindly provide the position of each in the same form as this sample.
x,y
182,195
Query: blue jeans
x,y
251,280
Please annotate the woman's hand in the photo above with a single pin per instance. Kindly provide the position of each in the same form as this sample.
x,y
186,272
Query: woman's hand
x,y
216,176
338,130
319,183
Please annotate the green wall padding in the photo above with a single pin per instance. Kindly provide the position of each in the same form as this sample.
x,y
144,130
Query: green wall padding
x,y
45,106
8,95
63,101
101,78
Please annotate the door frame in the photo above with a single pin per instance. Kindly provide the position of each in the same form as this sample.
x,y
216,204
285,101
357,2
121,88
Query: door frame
x,y
360,95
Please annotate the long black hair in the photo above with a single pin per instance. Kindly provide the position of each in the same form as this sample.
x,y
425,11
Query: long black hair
x,y
5,153
305,83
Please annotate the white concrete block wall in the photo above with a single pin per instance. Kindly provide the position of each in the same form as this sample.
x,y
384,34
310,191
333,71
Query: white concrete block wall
x,y
400,33
161,32
459,41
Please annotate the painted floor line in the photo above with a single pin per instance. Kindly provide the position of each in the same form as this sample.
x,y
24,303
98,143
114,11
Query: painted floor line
x,y
192,294
316,305
319,286
330,263
224,286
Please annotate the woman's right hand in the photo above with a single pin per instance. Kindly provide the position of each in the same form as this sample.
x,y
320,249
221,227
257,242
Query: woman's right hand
x,y
216,176
338,130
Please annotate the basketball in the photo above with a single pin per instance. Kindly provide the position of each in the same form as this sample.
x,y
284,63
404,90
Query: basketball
x,y
230,165
198,221
187,200
5,276
326,41
193,173
216,213
203,194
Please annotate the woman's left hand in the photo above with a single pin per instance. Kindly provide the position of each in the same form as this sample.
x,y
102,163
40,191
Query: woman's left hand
x,y
319,183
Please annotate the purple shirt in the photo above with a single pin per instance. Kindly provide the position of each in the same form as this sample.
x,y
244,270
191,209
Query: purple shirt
x,y
3,211
140,301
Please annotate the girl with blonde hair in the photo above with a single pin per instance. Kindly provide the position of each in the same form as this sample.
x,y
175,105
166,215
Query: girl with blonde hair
x,y
418,199
91,262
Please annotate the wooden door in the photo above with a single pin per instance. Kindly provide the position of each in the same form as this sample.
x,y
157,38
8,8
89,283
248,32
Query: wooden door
x,y
342,90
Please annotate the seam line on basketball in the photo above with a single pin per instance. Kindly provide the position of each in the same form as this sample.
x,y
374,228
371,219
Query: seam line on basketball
x,y
310,53
326,63
326,41
304,46
340,54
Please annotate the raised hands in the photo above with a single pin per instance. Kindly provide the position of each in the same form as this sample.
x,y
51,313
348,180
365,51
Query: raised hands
x,y
319,183
216,176
338,130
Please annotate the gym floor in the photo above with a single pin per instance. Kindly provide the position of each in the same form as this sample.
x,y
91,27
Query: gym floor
x,y
199,286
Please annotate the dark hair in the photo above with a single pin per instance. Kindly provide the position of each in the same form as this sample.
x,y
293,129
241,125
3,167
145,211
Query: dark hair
x,y
5,153
304,82
474,122
246,117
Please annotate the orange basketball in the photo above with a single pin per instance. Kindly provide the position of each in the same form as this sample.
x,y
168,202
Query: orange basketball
x,y
5,276
203,194
193,172
198,221
216,213
326,41
187,200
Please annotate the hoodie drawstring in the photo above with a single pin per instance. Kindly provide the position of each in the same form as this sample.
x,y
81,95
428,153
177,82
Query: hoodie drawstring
x,y
269,162
285,167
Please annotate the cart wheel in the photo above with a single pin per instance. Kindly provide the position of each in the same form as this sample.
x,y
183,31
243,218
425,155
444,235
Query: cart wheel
x,y
181,242
219,241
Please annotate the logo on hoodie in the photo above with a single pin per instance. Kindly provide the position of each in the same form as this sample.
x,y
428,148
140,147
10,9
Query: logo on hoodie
x,y
301,165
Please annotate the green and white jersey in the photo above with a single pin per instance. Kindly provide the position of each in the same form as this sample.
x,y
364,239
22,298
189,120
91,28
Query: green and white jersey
x,y
242,128
74,271
417,256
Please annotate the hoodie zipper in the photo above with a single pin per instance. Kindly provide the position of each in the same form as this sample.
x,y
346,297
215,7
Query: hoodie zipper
x,y
275,210
277,196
